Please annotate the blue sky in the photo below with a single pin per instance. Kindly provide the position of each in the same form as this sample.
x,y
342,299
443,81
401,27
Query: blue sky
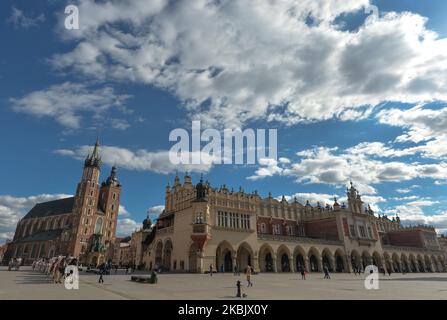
x,y
351,97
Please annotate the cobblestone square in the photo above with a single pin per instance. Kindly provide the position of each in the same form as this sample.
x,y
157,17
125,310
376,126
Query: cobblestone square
x,y
28,284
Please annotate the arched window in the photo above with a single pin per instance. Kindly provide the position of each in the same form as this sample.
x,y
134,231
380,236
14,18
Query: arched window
x,y
98,226
263,228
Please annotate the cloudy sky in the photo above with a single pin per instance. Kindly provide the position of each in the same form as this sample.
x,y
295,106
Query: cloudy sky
x,y
355,94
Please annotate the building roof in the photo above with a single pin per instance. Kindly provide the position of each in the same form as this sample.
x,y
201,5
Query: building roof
x,y
43,236
51,208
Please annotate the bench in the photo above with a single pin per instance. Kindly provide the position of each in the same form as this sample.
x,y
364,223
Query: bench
x,y
143,278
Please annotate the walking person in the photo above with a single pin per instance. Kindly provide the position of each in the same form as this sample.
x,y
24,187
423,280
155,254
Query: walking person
x,y
303,273
326,272
211,270
102,269
248,275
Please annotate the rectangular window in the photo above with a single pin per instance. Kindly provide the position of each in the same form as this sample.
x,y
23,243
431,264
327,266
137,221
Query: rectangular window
x,y
276,229
362,232
352,230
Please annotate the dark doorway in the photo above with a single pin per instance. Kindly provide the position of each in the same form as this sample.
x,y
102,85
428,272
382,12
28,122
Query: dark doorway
x,y
299,263
228,262
313,264
285,266
339,264
268,262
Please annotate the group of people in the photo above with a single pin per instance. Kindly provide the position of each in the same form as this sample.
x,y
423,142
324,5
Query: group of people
x,y
54,267
15,264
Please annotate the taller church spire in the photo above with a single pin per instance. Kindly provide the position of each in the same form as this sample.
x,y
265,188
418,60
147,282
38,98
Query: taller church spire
x,y
93,159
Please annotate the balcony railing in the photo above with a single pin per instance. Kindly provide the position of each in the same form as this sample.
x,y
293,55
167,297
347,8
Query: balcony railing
x,y
199,228
165,230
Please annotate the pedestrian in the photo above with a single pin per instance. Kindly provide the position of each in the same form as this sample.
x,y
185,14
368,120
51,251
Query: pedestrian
x,y
248,275
211,270
101,273
303,273
116,268
153,278
127,269
326,272
389,272
238,285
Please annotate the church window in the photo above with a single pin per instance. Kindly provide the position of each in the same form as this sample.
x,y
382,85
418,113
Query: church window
x,y
114,196
98,226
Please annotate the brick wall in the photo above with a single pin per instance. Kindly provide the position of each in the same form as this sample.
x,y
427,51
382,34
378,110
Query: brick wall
x,y
323,229
410,238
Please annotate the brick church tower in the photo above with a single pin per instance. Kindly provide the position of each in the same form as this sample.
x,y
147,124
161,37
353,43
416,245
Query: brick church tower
x,y
95,212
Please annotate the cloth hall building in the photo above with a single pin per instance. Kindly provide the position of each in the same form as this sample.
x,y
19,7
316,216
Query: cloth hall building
x,y
203,226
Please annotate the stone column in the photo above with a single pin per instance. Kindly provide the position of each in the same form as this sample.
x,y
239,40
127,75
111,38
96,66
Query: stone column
x,y
348,263
320,264
255,265
306,263
235,261
292,264
275,269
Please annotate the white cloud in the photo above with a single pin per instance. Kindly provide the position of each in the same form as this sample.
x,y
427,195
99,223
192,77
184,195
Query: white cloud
x,y
268,168
323,199
404,198
140,160
120,124
122,212
421,125
412,214
126,226
155,211
422,203
68,102
313,198
20,20
260,59
324,165
407,190
12,209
